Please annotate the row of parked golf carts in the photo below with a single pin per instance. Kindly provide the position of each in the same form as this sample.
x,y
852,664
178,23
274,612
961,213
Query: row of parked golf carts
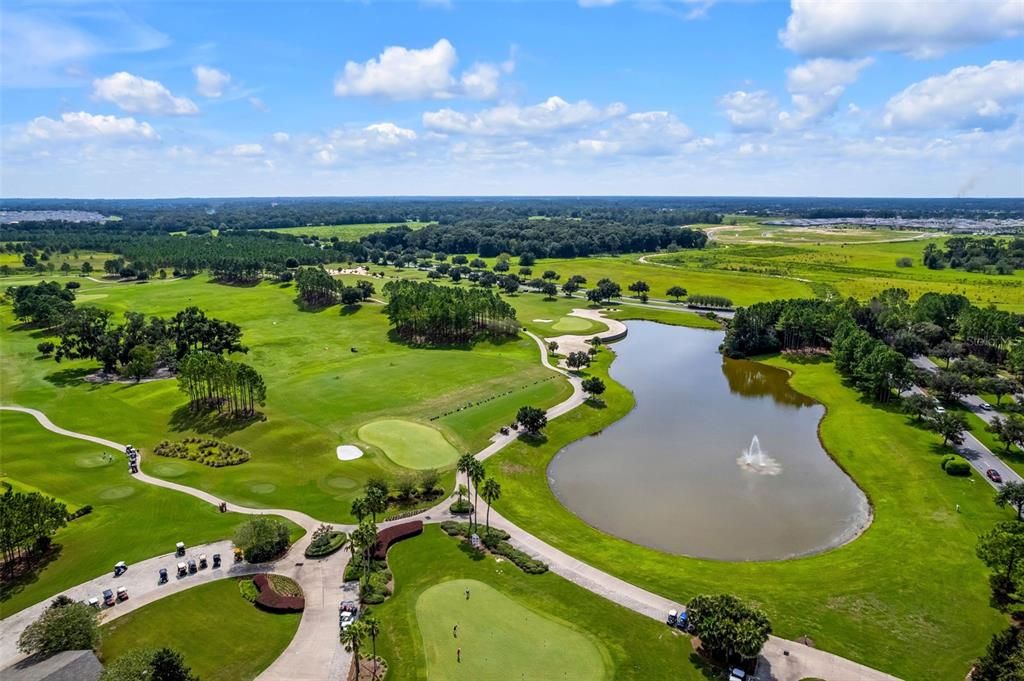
x,y
133,459
112,596
193,565
347,614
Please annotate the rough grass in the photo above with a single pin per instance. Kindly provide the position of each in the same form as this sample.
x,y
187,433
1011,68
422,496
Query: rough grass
x,y
409,444
417,623
910,582
343,232
220,634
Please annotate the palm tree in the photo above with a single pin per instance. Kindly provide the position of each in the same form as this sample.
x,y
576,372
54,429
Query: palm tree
x,y
352,639
477,473
372,625
462,491
465,465
366,537
492,492
360,508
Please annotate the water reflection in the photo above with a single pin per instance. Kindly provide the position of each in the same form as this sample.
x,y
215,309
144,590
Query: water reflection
x,y
673,473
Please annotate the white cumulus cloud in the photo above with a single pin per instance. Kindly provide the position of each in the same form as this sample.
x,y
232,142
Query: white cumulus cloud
x,y
83,126
648,133
402,73
210,82
966,97
135,94
247,150
378,139
816,86
550,115
749,111
919,28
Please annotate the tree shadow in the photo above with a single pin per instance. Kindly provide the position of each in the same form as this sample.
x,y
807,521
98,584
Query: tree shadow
x,y
708,669
310,307
27,574
349,310
533,440
68,377
470,552
209,421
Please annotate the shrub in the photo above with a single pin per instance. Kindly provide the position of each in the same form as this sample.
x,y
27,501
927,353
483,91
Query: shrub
x,y
325,544
904,262
261,538
45,348
248,590
63,627
211,453
460,506
270,599
85,510
958,466
946,459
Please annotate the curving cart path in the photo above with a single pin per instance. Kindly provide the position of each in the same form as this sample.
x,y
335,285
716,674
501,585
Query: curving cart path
x,y
315,652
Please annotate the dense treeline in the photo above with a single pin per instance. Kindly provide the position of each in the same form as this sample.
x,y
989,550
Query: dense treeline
x,y
141,344
976,254
44,305
870,342
211,381
317,288
27,523
431,314
554,238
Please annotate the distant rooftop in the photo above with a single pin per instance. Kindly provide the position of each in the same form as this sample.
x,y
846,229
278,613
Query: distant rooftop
x,y
71,665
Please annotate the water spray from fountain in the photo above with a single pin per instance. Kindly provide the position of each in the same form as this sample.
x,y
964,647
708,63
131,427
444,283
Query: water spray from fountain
x,y
756,461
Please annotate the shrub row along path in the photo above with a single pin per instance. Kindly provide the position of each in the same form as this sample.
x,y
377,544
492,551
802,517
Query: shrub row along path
x,y
979,456
315,651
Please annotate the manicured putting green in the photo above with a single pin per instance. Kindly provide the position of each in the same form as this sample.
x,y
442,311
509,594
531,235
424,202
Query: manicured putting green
x,y
575,325
221,635
410,444
500,639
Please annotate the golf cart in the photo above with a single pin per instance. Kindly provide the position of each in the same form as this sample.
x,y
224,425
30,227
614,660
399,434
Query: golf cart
x,y
349,613
122,593
737,674
94,603
238,554
120,568
108,597
216,560
202,561
671,619
163,575
683,621
192,566
179,549
182,570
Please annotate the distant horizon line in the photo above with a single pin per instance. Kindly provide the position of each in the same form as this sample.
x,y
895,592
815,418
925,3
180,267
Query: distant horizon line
x,y
509,196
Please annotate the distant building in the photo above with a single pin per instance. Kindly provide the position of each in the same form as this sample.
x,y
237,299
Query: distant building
x,y
71,665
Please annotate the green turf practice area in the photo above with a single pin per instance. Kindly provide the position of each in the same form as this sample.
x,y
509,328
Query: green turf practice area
x,y
130,520
514,625
409,444
220,634
497,637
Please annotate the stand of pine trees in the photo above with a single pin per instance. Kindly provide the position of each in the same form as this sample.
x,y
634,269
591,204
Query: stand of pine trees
x,y
429,314
210,380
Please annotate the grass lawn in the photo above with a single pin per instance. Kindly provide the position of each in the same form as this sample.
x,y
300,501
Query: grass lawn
x,y
222,636
911,582
410,444
498,637
514,626
319,392
343,232
130,521
682,317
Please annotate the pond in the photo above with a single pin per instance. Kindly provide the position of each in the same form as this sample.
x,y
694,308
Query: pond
x,y
680,472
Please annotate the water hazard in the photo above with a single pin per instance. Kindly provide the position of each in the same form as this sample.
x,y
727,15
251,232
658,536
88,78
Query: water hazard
x,y
719,459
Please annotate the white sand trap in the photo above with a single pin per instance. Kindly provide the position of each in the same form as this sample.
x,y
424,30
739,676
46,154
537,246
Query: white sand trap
x,y
542,321
349,452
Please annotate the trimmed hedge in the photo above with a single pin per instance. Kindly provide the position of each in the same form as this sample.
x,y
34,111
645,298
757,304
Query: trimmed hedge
x,y
319,548
271,600
248,590
207,452
956,465
395,533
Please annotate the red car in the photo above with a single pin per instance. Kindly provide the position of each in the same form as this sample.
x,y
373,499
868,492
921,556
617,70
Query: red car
x,y
993,475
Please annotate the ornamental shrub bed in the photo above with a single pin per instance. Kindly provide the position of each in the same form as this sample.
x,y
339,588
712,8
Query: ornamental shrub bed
x,y
496,541
270,599
325,544
248,590
956,465
207,452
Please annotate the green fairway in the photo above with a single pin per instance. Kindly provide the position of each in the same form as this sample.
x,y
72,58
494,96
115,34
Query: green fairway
x,y
222,636
514,625
343,232
576,325
409,444
910,582
327,374
130,521
499,638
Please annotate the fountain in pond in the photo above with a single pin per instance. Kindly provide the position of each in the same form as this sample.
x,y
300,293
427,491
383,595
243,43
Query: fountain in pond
x,y
756,461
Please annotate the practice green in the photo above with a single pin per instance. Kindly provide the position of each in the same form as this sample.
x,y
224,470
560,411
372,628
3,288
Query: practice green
x,y
499,638
574,325
409,444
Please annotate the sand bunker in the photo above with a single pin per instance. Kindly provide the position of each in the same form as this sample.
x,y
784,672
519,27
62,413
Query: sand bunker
x,y
542,321
349,452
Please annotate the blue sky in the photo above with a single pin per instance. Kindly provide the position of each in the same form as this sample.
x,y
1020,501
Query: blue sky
x,y
677,97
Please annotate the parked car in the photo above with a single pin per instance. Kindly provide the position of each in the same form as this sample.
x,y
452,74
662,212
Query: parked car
x,y
122,593
940,409
108,597
985,406
994,476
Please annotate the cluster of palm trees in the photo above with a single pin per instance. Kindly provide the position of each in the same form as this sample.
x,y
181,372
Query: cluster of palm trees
x,y
356,634
363,539
489,488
